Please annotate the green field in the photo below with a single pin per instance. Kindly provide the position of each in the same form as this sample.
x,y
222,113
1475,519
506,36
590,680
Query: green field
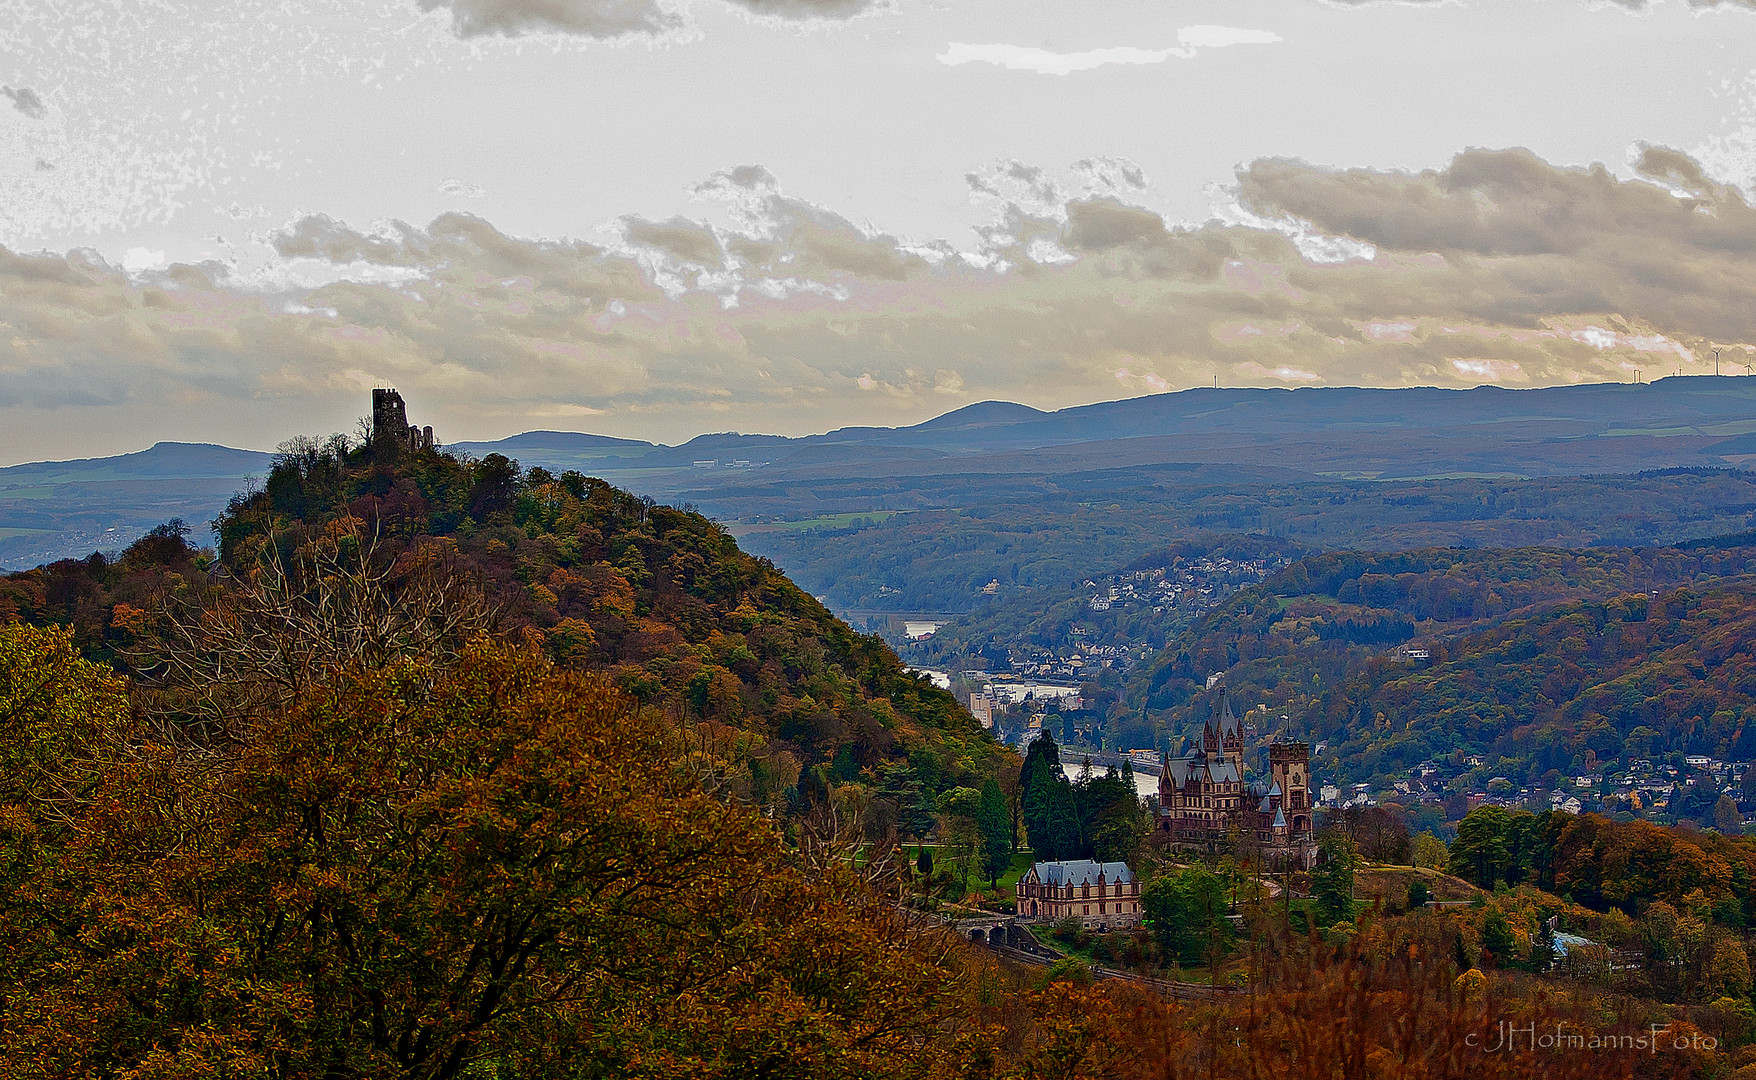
x,y
827,521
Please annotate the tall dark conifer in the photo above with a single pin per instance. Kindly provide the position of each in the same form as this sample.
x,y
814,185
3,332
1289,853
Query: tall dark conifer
x,y
1037,782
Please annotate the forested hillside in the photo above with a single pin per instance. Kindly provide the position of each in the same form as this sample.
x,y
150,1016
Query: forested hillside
x,y
1203,571
1044,533
1533,656
661,599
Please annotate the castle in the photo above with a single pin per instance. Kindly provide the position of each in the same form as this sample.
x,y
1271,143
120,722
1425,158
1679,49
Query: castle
x,y
390,423
1206,805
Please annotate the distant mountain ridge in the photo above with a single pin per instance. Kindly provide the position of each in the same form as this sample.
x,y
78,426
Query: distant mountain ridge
x,y
1328,431
51,510
168,459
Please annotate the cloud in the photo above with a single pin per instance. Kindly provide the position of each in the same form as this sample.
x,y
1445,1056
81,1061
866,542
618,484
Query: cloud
x,y
776,313
1699,5
460,190
1624,5
1190,40
1220,37
587,18
612,19
26,101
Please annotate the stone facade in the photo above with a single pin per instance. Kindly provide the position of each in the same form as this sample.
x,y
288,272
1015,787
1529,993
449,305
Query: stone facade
x,y
1206,805
390,423
1103,896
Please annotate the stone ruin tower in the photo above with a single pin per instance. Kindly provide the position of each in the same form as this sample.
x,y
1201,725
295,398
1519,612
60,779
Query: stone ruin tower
x,y
390,423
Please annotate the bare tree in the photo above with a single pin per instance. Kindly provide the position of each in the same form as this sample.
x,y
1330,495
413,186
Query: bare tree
x,y
246,646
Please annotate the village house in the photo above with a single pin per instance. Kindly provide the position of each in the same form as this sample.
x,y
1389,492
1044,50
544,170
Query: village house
x,y
1104,896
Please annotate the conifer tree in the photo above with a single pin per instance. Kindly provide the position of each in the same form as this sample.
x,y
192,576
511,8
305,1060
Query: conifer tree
x,y
1332,882
996,832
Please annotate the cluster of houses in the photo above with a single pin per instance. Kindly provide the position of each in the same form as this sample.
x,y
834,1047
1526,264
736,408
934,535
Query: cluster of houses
x,y
1191,584
1644,788
1184,585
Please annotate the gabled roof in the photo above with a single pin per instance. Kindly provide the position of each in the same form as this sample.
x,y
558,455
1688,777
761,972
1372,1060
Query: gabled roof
x,y
1223,771
1081,872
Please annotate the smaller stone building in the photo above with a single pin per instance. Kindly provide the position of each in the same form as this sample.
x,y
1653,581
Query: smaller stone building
x,y
1104,896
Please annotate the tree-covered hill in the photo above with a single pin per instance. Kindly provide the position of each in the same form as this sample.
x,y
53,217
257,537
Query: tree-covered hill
x,y
659,598
1533,657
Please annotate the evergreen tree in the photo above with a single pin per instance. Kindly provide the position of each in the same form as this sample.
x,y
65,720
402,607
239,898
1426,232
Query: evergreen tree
x,y
1185,912
1418,894
1480,853
914,808
1332,882
1497,937
996,832
1062,826
1037,783
1117,820
924,862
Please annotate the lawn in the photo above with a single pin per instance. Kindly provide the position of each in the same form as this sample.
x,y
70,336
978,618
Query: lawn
x,y
979,890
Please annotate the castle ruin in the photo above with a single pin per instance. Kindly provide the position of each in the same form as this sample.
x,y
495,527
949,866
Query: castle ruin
x,y
390,423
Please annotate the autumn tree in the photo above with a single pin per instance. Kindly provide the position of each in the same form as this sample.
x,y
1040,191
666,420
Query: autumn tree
x,y
422,864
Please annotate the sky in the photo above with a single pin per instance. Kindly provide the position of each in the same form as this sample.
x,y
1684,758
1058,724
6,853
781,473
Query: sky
x,y
227,221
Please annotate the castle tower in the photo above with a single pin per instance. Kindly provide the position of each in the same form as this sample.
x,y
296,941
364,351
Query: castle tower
x,y
390,423
1289,766
1222,737
389,416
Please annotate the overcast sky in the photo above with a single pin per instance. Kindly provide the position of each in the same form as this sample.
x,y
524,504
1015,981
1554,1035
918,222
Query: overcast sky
x,y
227,219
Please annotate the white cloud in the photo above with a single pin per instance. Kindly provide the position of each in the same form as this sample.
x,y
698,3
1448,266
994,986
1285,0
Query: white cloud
x,y
139,260
458,189
1190,40
1219,37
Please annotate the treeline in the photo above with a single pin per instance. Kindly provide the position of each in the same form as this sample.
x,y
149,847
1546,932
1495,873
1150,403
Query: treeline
x,y
1679,900
1094,817
1604,864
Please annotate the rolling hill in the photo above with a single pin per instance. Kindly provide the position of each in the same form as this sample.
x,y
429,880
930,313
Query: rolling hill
x,y
1212,437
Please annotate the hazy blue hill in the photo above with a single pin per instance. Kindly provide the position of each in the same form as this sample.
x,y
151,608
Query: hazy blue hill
x,y
59,509
1314,432
560,441
165,459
